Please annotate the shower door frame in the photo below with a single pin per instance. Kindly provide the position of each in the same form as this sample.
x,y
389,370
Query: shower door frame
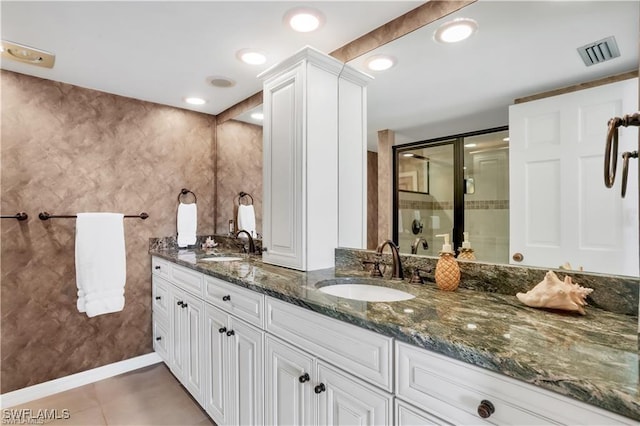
x,y
458,177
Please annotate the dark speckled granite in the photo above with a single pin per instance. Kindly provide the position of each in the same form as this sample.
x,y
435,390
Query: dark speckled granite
x,y
617,294
591,358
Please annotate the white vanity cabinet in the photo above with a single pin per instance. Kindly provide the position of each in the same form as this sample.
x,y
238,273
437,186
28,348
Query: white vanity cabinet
x,y
234,370
314,132
304,390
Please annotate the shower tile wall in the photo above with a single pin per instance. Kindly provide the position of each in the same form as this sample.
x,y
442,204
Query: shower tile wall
x,y
238,168
67,149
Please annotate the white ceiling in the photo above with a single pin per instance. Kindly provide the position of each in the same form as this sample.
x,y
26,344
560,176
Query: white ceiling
x,y
521,48
163,51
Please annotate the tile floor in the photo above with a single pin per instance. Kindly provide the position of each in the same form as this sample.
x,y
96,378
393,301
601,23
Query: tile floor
x,y
146,397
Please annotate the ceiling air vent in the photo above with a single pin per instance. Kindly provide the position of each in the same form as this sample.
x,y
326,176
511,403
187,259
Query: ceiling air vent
x,y
599,51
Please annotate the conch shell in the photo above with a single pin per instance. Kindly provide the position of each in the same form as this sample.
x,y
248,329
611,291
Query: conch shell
x,y
554,293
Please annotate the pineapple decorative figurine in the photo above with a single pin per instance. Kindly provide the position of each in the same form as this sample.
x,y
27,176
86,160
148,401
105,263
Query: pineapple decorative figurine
x,y
466,252
447,269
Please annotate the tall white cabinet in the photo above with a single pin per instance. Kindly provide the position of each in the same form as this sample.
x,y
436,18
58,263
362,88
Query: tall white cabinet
x,y
314,160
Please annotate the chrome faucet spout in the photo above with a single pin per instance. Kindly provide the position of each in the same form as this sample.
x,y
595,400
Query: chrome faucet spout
x,y
397,264
252,247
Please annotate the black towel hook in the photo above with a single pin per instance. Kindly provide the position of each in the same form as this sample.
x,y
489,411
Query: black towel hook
x,y
185,191
243,194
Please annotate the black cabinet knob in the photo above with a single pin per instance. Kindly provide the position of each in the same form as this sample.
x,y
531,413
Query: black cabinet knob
x,y
226,298
304,378
179,303
486,409
222,330
230,333
157,267
158,297
184,305
159,338
320,388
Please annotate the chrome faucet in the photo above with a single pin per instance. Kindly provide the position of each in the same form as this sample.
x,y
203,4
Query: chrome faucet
x,y
252,246
416,243
397,264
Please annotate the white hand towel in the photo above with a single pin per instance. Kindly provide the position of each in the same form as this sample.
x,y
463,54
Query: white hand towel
x,y
247,219
101,264
187,224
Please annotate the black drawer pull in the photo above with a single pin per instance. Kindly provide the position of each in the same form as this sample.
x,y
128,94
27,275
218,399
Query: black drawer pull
x,y
486,409
222,330
157,267
184,305
159,338
304,378
226,298
158,297
230,333
180,303
320,388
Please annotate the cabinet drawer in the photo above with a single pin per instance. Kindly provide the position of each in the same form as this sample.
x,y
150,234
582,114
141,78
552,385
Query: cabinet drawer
x,y
187,279
406,415
161,338
365,354
245,304
160,298
453,390
160,267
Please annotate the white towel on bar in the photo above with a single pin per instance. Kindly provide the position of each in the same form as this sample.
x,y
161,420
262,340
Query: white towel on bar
x,y
187,222
247,219
101,264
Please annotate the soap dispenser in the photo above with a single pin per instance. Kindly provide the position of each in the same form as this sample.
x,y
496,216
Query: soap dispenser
x,y
466,252
447,269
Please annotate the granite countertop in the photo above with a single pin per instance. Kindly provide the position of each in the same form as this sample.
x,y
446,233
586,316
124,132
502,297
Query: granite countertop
x,y
592,358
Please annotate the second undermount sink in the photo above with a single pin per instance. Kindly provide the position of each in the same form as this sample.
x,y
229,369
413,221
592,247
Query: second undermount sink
x,y
361,289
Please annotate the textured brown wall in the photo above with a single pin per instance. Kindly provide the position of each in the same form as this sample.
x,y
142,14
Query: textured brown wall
x,y
65,149
372,199
239,168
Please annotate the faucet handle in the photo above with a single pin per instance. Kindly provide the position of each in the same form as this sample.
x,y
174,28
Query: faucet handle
x,y
416,278
375,271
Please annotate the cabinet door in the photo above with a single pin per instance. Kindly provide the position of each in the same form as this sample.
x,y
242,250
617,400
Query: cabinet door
x,y
161,339
193,350
283,204
178,320
344,400
217,400
289,380
247,373
406,415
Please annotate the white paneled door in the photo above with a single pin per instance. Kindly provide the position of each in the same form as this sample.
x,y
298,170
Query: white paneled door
x,y
560,210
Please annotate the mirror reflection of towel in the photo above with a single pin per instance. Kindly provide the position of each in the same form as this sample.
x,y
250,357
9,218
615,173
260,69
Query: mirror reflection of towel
x,y
247,219
187,223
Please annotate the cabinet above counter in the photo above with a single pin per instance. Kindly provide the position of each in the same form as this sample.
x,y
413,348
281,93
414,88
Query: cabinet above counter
x,y
593,359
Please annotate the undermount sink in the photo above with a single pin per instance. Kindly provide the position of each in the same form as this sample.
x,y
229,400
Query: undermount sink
x,y
221,259
361,289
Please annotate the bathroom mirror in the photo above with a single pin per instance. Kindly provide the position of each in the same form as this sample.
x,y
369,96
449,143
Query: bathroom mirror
x,y
520,49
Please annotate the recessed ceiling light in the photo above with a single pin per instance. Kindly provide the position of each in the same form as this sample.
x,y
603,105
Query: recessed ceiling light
x,y
457,30
219,81
505,140
251,57
257,116
380,62
26,54
470,145
195,101
304,20
408,154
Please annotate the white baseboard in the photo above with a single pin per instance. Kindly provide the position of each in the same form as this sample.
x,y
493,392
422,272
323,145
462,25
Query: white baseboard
x,y
62,384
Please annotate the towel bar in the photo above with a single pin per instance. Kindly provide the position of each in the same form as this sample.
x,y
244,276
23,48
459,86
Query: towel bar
x,y
185,191
47,216
243,194
20,216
